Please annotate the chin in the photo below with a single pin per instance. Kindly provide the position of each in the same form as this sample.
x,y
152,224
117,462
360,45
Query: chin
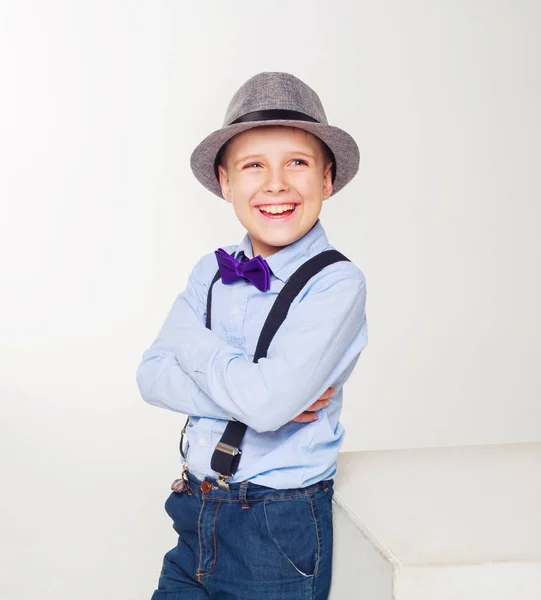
x,y
279,241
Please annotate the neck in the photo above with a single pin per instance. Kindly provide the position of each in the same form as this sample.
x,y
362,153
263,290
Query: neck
x,y
261,249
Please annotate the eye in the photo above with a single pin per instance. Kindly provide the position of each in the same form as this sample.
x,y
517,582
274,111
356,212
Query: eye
x,y
250,165
300,160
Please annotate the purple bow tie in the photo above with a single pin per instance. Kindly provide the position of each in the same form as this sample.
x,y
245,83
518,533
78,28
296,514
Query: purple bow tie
x,y
255,270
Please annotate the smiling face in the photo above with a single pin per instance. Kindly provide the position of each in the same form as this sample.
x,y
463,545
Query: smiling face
x,y
276,178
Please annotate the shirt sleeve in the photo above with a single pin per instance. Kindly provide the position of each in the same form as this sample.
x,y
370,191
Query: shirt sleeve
x,y
320,337
161,379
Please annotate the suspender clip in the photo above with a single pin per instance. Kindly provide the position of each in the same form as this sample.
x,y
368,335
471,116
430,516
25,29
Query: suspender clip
x,y
227,449
222,482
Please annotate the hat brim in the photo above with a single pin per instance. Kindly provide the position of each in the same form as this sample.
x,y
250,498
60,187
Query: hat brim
x,y
342,145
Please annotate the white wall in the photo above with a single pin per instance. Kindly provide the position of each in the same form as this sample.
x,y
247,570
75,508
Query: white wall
x,y
101,104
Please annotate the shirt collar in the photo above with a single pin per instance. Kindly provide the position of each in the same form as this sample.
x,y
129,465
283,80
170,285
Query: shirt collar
x,y
287,260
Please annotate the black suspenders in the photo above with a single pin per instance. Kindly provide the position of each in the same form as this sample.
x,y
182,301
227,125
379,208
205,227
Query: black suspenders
x,y
226,457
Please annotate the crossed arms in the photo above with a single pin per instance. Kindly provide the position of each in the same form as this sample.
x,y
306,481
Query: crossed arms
x,y
191,370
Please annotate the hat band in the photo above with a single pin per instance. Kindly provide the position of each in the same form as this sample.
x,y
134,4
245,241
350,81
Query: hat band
x,y
274,114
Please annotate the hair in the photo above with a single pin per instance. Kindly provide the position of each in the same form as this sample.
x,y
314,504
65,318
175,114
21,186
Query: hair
x,y
327,153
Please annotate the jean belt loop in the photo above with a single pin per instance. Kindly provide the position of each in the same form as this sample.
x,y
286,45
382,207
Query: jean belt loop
x,y
242,495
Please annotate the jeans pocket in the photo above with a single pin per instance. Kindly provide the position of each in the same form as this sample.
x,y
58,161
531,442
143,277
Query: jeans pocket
x,y
292,526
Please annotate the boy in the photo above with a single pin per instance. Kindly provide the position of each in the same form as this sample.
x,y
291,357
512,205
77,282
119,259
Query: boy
x,y
251,348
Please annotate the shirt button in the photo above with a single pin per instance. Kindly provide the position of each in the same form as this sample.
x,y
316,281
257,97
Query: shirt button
x,y
236,311
205,487
202,441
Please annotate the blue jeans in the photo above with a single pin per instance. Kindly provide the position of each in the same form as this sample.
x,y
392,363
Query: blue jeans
x,y
253,543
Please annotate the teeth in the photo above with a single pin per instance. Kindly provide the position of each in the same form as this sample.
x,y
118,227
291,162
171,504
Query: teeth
x,y
277,208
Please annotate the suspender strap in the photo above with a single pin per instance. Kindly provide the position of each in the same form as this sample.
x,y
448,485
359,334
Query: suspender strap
x,y
209,299
208,326
225,459
289,292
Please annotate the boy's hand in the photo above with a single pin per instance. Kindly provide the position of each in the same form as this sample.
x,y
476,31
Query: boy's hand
x,y
309,415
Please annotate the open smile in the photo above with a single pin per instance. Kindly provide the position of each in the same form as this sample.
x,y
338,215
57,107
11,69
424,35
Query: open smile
x,y
277,212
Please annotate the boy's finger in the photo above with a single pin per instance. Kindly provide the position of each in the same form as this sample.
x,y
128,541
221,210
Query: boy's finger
x,y
305,418
328,394
318,405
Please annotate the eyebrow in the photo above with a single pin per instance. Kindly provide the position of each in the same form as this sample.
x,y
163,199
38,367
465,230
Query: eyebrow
x,y
249,157
307,154
290,153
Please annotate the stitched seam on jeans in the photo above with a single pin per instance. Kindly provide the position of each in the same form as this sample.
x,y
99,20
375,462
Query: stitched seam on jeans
x,y
199,573
214,535
317,534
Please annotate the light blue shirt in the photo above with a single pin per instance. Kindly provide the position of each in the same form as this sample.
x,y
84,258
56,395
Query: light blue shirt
x,y
209,374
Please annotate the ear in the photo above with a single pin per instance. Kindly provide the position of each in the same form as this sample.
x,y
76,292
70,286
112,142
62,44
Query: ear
x,y
225,184
327,181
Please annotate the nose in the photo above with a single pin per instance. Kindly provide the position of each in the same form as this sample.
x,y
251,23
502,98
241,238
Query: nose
x,y
276,182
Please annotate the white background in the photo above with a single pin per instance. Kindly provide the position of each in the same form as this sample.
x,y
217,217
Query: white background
x,y
101,105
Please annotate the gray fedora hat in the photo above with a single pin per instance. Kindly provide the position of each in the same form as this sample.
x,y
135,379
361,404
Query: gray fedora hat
x,y
274,98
